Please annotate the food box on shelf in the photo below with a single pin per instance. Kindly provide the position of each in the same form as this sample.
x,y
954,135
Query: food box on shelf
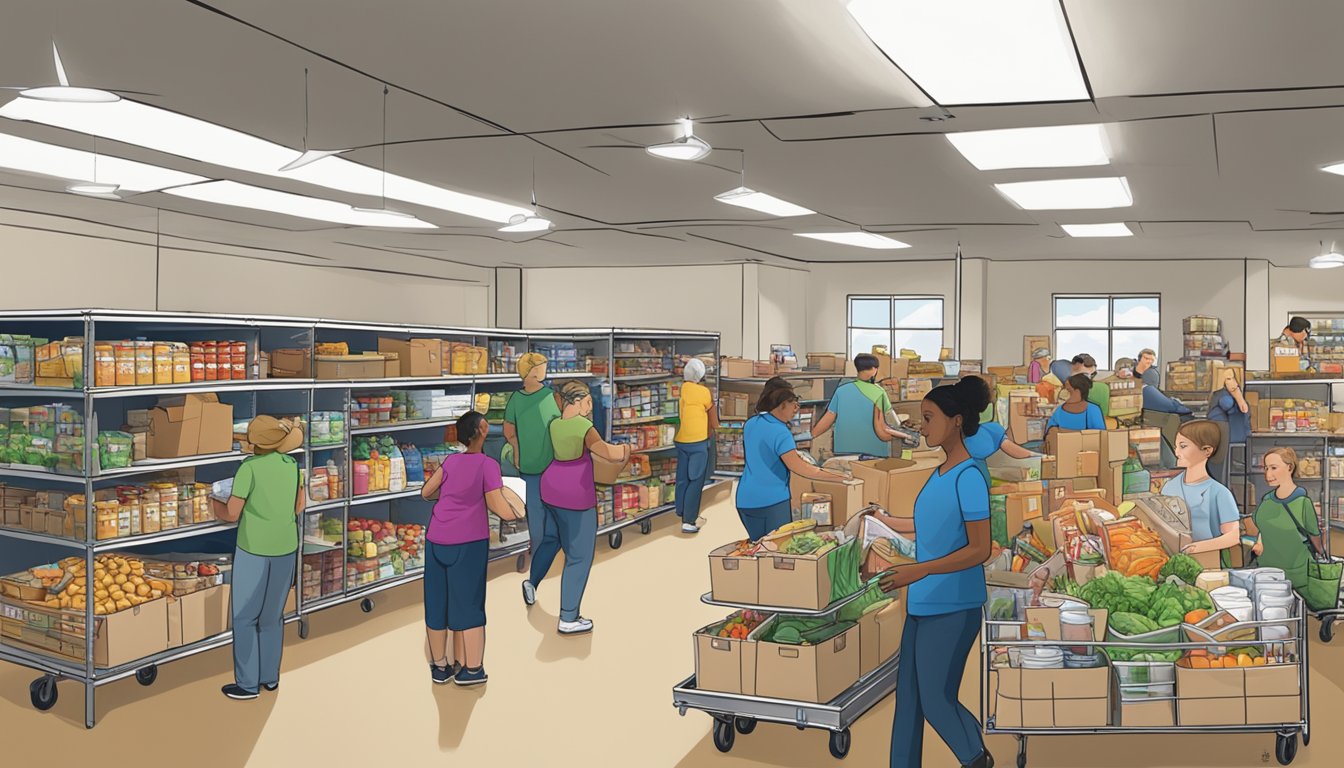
x,y
826,362
368,366
415,357
735,368
1264,695
291,363
894,483
189,425
725,654
734,578
816,672
194,617
1053,698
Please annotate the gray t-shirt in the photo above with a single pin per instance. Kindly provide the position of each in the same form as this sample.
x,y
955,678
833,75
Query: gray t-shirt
x,y
1150,377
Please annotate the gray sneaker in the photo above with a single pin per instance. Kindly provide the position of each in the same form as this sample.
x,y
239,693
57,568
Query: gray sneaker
x,y
529,593
577,627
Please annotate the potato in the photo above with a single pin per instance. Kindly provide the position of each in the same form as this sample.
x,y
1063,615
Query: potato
x,y
155,594
120,578
109,606
99,610
142,590
53,603
100,595
107,581
123,604
116,594
80,581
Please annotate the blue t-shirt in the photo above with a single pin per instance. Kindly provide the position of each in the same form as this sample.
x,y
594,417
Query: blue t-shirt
x,y
765,479
1077,422
947,502
1155,399
1238,423
1211,505
853,409
985,443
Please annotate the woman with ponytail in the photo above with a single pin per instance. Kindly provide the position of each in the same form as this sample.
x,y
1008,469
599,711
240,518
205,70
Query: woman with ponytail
x,y
946,585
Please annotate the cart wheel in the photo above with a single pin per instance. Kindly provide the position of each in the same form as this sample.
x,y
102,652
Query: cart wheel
x,y
744,725
42,691
1306,737
366,605
724,735
1327,629
1285,749
1021,752
147,675
614,539
520,565
645,526
303,629
840,744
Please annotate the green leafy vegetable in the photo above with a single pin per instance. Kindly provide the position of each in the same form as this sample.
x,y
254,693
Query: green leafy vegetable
x,y
1182,566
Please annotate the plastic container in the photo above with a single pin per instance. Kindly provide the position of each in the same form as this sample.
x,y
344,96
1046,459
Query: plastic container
x,y
333,480
1246,578
1082,660
1042,658
1275,608
1077,627
360,478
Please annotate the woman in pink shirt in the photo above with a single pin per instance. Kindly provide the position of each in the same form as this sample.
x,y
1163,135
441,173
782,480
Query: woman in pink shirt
x,y
467,487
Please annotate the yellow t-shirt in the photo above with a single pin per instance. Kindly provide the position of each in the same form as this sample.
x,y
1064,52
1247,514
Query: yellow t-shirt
x,y
696,402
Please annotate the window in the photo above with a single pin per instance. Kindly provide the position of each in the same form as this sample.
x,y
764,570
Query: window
x,y
897,322
1107,327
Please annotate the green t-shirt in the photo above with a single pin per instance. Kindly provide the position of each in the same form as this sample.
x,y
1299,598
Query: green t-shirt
x,y
270,486
1100,394
875,393
530,415
567,437
1284,545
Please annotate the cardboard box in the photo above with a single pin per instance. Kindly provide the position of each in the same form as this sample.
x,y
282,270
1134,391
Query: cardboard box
x,y
894,483
826,362
880,635
1112,480
1049,468
391,364
1285,358
794,581
337,367
1052,698
889,367
735,368
1241,696
1089,464
415,357
189,425
815,673
846,497
734,405
194,617
733,579
1144,714
134,633
291,364
724,664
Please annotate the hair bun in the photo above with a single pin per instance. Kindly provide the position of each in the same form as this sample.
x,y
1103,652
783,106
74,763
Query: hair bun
x,y
975,392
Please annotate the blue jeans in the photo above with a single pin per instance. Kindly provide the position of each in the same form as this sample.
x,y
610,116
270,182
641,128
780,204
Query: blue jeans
x,y
574,532
257,600
536,512
762,520
692,466
933,657
455,585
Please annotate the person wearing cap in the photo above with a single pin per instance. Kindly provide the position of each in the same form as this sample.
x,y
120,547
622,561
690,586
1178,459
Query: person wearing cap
x,y
699,417
1040,365
527,417
266,501
858,412
1296,333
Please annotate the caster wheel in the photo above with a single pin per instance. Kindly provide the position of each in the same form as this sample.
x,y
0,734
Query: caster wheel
x,y
1021,753
520,565
303,629
840,744
614,539
645,526
1285,748
147,675
366,605
1327,629
724,735
744,725
1306,738
42,691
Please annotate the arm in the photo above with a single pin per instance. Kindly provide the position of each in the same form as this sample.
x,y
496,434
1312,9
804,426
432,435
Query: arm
x,y
430,490
510,436
904,525
494,500
230,512
885,433
597,446
825,423
1229,537
976,552
798,466
1014,450
713,415
300,502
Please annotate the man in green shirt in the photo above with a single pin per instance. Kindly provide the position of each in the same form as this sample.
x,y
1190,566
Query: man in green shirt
x,y
265,502
858,412
527,420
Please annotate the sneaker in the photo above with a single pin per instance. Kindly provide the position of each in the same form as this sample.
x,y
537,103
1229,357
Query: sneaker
x,y
985,760
688,528
442,675
529,593
466,677
700,521
577,627
271,686
235,691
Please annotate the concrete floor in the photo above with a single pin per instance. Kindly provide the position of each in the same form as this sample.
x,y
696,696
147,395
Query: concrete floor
x,y
357,691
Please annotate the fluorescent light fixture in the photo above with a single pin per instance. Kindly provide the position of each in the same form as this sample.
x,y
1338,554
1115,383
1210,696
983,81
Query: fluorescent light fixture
x,y
526,224
857,239
1327,261
131,122
1069,194
977,51
76,165
108,191
1115,229
759,201
261,199
310,156
686,147
1060,146
70,94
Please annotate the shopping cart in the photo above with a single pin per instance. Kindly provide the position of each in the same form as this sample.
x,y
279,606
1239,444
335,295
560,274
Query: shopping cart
x,y
1328,616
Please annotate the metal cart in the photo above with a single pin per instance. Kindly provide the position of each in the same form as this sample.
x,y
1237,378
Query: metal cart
x,y
1286,733
736,713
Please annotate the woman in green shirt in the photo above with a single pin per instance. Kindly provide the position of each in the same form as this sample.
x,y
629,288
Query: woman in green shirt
x,y
527,418
265,502
1282,517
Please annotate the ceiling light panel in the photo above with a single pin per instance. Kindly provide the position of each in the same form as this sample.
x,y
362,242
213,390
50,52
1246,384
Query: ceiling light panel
x,y
759,201
1069,194
261,199
1114,229
1061,146
141,125
978,51
530,224
857,239
28,156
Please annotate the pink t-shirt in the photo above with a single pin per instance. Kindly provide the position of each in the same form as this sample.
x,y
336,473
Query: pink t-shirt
x,y
460,515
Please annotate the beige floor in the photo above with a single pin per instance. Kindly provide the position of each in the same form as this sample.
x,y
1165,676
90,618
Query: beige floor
x,y
357,692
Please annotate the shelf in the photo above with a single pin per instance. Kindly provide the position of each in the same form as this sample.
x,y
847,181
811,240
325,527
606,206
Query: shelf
x,y
150,466
1299,435
183,532
397,383
228,385
41,538
636,518
311,547
26,390
324,506
645,378
386,496
378,586
630,480
640,356
1290,382
641,420
659,449
729,472
400,426
31,473
325,447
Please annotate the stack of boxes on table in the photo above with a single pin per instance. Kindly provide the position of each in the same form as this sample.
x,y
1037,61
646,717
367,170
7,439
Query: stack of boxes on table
x,y
1205,356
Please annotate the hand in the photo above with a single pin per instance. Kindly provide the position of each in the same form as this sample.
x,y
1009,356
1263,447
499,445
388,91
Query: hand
x,y
1191,549
513,455
900,576
1258,549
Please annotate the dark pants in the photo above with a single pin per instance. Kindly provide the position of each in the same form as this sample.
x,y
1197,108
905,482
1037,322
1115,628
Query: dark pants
x,y
575,533
933,657
455,585
535,512
692,466
762,520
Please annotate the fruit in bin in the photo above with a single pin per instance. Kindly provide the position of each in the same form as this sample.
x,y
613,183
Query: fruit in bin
x,y
1196,616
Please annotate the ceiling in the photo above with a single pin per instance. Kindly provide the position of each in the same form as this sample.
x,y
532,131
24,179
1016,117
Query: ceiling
x,y
1220,113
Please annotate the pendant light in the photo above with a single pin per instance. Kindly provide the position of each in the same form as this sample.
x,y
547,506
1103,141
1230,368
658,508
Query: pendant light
x,y
93,188
686,147
529,222
383,209
309,155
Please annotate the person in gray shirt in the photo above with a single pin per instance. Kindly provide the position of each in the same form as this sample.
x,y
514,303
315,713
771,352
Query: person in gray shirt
x,y
1147,367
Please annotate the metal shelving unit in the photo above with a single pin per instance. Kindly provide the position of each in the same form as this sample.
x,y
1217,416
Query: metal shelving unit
x,y
304,396
1319,390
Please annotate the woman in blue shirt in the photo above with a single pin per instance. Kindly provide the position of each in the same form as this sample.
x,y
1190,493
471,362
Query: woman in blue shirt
x,y
1215,519
1229,405
771,454
946,585
1076,413
990,439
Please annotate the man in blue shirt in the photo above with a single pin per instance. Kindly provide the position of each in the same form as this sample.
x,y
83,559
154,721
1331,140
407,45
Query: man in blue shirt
x,y
858,412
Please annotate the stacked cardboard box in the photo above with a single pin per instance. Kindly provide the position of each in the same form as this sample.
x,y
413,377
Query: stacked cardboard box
x,y
1053,698
1095,456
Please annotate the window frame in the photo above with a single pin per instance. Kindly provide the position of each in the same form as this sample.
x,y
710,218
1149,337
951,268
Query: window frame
x,y
892,327
1110,327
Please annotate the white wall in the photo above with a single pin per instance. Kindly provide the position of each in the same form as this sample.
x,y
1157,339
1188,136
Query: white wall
x,y
830,285
782,309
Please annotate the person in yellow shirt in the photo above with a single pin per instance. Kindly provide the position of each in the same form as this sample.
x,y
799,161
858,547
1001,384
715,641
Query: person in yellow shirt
x,y
699,419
